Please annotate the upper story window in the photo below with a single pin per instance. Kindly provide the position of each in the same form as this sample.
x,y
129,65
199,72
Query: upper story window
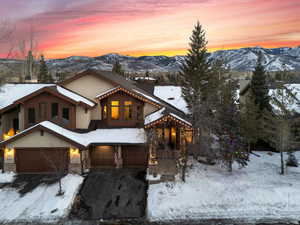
x,y
54,110
115,110
128,110
31,115
66,115
104,112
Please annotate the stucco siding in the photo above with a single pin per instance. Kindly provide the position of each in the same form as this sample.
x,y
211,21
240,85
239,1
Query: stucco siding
x,y
148,109
83,118
89,86
35,140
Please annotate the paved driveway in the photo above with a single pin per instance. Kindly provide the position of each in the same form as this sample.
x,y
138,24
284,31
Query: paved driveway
x,y
113,194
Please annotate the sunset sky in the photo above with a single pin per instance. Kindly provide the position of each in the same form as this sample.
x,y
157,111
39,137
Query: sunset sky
x,y
150,27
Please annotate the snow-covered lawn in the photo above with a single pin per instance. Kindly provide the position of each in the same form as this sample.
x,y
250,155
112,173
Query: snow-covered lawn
x,y
254,192
41,204
6,177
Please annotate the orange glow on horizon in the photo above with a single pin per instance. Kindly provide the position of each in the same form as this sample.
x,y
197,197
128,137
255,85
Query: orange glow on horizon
x,y
149,27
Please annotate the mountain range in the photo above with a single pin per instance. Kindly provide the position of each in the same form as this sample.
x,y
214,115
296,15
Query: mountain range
x,y
241,60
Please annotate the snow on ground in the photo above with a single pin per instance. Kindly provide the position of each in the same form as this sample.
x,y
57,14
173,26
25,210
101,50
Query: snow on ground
x,y
41,204
251,193
6,177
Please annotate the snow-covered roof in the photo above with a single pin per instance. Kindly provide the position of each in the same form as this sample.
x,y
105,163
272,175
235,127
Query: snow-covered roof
x,y
99,136
160,114
292,106
136,92
10,93
172,95
74,96
154,116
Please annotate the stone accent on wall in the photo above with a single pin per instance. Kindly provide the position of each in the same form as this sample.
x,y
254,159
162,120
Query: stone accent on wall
x,y
10,167
75,168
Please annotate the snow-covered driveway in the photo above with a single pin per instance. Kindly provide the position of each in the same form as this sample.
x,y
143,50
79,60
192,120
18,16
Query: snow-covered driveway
x,y
41,204
254,192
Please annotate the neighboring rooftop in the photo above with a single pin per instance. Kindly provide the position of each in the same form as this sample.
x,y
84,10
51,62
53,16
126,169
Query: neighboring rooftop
x,y
172,95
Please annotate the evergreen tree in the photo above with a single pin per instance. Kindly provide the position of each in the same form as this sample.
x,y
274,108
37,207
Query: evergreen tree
x,y
117,68
60,76
259,85
228,130
43,75
250,120
278,121
195,68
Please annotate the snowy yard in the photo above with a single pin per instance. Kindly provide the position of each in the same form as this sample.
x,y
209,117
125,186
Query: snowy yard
x,y
41,204
254,192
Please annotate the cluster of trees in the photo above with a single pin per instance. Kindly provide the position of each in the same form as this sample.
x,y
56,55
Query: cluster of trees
x,y
225,130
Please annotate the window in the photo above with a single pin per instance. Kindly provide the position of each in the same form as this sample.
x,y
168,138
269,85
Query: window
x,y
139,111
42,111
128,110
16,124
31,115
115,110
66,115
104,112
54,110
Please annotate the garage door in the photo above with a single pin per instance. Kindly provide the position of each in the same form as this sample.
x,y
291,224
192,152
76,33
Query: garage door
x,y
103,156
134,156
39,160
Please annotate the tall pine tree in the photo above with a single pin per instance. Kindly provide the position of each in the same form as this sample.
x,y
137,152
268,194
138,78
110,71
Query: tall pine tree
x,y
195,81
228,128
259,86
117,68
43,73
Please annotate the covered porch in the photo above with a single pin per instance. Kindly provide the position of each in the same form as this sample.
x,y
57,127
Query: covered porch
x,y
168,138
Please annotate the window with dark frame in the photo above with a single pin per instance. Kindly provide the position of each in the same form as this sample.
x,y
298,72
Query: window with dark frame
x,y
66,115
128,110
54,110
115,110
104,112
31,115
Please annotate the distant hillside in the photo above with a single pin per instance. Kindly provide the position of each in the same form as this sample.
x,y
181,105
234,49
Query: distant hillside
x,y
240,60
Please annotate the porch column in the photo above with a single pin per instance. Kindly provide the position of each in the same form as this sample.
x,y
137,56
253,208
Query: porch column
x,y
118,156
9,160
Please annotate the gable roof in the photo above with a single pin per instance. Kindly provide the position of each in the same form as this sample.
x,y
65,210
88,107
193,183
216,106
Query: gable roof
x,y
51,128
83,140
130,86
133,92
13,94
162,115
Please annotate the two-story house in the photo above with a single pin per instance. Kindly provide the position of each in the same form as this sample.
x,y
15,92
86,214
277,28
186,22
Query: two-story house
x,y
95,119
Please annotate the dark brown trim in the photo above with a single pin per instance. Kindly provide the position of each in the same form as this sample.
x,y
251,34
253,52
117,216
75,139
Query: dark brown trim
x,y
82,103
52,91
166,117
39,128
116,144
129,92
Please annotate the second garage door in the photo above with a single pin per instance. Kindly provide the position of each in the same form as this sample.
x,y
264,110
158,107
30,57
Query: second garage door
x,y
134,156
103,156
40,160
